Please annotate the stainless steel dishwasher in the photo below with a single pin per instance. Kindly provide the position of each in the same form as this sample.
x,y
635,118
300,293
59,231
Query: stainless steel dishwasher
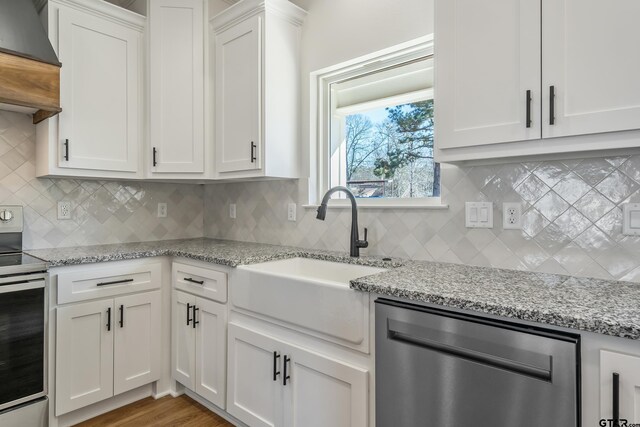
x,y
445,369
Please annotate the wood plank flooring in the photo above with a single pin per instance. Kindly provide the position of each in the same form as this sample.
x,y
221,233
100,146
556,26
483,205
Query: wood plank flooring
x,y
168,411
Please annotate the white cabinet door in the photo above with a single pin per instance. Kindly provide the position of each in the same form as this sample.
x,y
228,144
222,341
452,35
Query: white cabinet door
x,y
211,350
176,75
487,59
99,93
137,341
254,386
183,346
84,354
591,56
238,93
628,368
324,392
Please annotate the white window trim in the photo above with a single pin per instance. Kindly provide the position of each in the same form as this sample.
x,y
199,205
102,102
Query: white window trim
x,y
320,113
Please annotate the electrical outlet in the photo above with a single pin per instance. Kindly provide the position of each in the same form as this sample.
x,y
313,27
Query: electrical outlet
x,y
232,211
162,210
511,216
64,210
291,212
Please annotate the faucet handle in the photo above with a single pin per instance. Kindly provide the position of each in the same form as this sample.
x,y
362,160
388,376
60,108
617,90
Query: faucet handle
x,y
363,243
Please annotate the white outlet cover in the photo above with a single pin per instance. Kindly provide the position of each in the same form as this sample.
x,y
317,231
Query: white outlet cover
x,y
478,214
511,216
64,210
291,212
631,219
162,210
232,211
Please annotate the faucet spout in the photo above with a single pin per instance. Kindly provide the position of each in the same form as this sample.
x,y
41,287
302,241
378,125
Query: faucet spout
x,y
355,242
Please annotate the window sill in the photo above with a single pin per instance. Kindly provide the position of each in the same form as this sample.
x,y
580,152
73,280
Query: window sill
x,y
379,204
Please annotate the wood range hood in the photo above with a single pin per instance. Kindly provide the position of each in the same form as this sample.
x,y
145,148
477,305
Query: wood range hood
x,y
29,67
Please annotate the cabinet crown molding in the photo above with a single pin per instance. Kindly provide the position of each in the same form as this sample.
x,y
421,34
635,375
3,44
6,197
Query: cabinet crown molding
x,y
107,11
246,8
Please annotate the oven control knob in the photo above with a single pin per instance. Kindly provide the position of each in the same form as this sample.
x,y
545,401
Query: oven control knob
x,y
6,216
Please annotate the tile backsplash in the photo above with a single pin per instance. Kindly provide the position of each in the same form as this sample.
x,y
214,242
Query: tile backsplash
x,y
572,219
102,211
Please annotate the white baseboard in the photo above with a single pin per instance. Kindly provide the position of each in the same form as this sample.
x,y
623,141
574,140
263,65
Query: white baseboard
x,y
213,408
165,393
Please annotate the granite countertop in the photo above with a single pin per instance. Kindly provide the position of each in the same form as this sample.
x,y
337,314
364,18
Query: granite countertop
x,y
601,306
222,252
606,307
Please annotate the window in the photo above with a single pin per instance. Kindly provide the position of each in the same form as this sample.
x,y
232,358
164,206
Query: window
x,y
376,128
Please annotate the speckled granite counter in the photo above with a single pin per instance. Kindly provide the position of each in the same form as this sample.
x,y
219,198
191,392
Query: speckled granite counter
x,y
606,307
223,252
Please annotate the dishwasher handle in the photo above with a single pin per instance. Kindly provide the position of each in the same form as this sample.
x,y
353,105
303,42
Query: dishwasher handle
x,y
472,355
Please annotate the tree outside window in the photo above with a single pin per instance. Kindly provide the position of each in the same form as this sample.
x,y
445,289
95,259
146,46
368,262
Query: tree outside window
x,y
389,152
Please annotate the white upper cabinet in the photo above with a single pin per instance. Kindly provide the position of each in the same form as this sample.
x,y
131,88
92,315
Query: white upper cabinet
x,y
257,89
591,57
176,87
578,58
238,87
99,132
487,72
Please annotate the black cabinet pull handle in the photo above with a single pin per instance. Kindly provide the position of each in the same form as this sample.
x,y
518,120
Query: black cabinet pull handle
x,y
616,399
189,279
121,322
115,282
276,356
66,150
109,319
285,377
528,108
253,152
195,309
552,105
188,310
155,160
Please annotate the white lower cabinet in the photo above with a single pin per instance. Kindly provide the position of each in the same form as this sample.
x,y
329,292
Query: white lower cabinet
x,y
628,369
199,346
106,347
276,383
136,359
84,355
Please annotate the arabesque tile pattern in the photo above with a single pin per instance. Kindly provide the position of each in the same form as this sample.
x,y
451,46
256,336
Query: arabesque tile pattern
x,y
572,221
572,218
102,211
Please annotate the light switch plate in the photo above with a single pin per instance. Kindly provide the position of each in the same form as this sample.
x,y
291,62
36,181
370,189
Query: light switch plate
x,y
478,214
232,211
631,219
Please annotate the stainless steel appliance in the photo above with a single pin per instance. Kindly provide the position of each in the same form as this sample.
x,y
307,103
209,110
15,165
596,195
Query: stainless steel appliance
x,y
23,297
445,369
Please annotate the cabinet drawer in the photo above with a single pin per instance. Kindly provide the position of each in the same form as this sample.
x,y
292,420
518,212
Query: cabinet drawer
x,y
100,281
211,284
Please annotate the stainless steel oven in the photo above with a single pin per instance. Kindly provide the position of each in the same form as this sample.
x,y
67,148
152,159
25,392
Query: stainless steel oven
x,y
23,319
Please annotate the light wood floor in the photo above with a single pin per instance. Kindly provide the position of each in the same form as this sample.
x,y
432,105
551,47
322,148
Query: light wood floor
x,y
168,411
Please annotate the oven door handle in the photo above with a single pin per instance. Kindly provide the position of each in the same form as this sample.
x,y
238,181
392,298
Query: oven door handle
x,y
21,285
